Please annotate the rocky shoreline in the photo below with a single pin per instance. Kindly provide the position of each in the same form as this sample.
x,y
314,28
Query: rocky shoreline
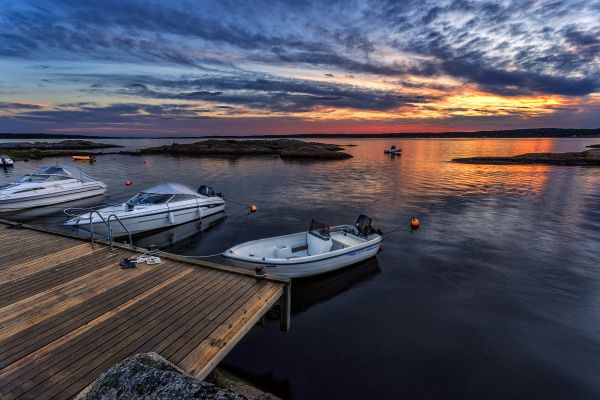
x,y
582,158
38,150
284,148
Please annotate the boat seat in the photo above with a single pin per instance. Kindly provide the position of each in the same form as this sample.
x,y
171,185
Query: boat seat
x,y
283,251
347,240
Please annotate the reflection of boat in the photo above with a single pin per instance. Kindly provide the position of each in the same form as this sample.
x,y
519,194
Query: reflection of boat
x,y
88,158
49,185
161,206
393,150
321,249
314,290
6,161
171,236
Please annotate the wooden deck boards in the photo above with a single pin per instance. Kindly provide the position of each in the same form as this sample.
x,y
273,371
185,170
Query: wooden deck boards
x,y
68,312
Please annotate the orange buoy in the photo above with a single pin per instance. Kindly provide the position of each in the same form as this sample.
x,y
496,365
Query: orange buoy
x,y
253,208
128,183
414,223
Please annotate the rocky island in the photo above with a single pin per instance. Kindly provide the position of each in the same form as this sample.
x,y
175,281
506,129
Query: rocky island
x,y
582,158
285,148
37,150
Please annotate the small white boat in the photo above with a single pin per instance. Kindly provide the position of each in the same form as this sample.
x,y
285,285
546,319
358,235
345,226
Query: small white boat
x,y
161,206
393,150
321,249
49,185
6,161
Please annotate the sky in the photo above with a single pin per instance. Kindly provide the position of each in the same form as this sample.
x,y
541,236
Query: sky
x,y
177,68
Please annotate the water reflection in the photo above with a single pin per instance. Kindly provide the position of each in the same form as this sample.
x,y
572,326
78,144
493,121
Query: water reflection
x,y
501,283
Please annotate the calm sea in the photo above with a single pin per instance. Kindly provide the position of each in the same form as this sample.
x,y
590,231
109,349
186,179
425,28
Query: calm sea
x,y
497,296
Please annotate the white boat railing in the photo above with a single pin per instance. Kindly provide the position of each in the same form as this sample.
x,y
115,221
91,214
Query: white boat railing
x,y
91,211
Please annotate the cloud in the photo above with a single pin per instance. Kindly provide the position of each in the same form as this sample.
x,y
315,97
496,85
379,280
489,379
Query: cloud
x,y
19,106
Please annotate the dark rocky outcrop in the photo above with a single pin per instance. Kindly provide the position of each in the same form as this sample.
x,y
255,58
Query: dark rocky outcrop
x,y
594,146
37,150
149,376
588,157
285,148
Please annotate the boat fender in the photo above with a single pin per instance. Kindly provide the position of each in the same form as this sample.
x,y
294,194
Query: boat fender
x,y
171,218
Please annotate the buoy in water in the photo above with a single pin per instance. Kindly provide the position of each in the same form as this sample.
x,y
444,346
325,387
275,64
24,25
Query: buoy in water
x,y
128,183
253,208
414,223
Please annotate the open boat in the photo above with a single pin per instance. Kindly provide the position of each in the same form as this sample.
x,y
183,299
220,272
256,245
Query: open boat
x,y
158,207
321,249
393,150
6,161
49,185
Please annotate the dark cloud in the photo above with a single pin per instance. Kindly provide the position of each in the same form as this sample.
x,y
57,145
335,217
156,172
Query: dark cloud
x,y
272,94
19,106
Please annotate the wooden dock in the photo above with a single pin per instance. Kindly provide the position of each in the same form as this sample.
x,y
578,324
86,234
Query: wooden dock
x,y
68,312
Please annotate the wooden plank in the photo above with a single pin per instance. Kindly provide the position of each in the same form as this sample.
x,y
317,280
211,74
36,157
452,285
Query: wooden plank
x,y
38,335
43,280
49,260
111,347
33,360
46,304
197,362
285,306
67,312
146,342
203,330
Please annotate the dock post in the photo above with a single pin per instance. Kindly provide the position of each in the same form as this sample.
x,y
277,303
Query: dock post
x,y
285,303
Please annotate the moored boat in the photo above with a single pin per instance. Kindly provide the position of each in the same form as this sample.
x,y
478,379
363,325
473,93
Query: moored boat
x,y
6,161
49,185
161,206
88,158
393,150
320,249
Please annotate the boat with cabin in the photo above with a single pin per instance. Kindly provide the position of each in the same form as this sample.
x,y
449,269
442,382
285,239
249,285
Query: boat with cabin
x,y
47,186
161,206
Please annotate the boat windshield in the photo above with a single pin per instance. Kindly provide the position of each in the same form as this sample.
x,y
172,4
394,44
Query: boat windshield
x,y
38,178
58,173
144,198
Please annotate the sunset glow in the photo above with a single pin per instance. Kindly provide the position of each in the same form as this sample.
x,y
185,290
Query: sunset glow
x,y
316,67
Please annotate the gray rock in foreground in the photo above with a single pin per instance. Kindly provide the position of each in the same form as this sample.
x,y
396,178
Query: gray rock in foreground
x,y
149,376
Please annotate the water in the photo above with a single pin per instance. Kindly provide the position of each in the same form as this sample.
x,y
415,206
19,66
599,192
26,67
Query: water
x,y
497,296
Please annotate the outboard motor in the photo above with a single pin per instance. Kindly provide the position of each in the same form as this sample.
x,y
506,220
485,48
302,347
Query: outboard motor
x,y
206,191
363,225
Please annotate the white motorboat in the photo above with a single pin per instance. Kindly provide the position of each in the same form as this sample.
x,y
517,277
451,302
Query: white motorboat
x,y
49,185
161,206
321,249
393,150
6,161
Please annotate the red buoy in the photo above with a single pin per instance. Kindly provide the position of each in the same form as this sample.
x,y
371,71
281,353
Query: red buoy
x,y
414,223
253,208
128,183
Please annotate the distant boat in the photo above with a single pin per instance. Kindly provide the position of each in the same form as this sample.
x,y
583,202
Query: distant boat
x,y
6,161
89,158
321,249
49,185
158,207
393,150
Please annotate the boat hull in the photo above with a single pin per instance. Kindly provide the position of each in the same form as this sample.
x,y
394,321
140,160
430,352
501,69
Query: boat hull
x,y
46,199
149,222
323,264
